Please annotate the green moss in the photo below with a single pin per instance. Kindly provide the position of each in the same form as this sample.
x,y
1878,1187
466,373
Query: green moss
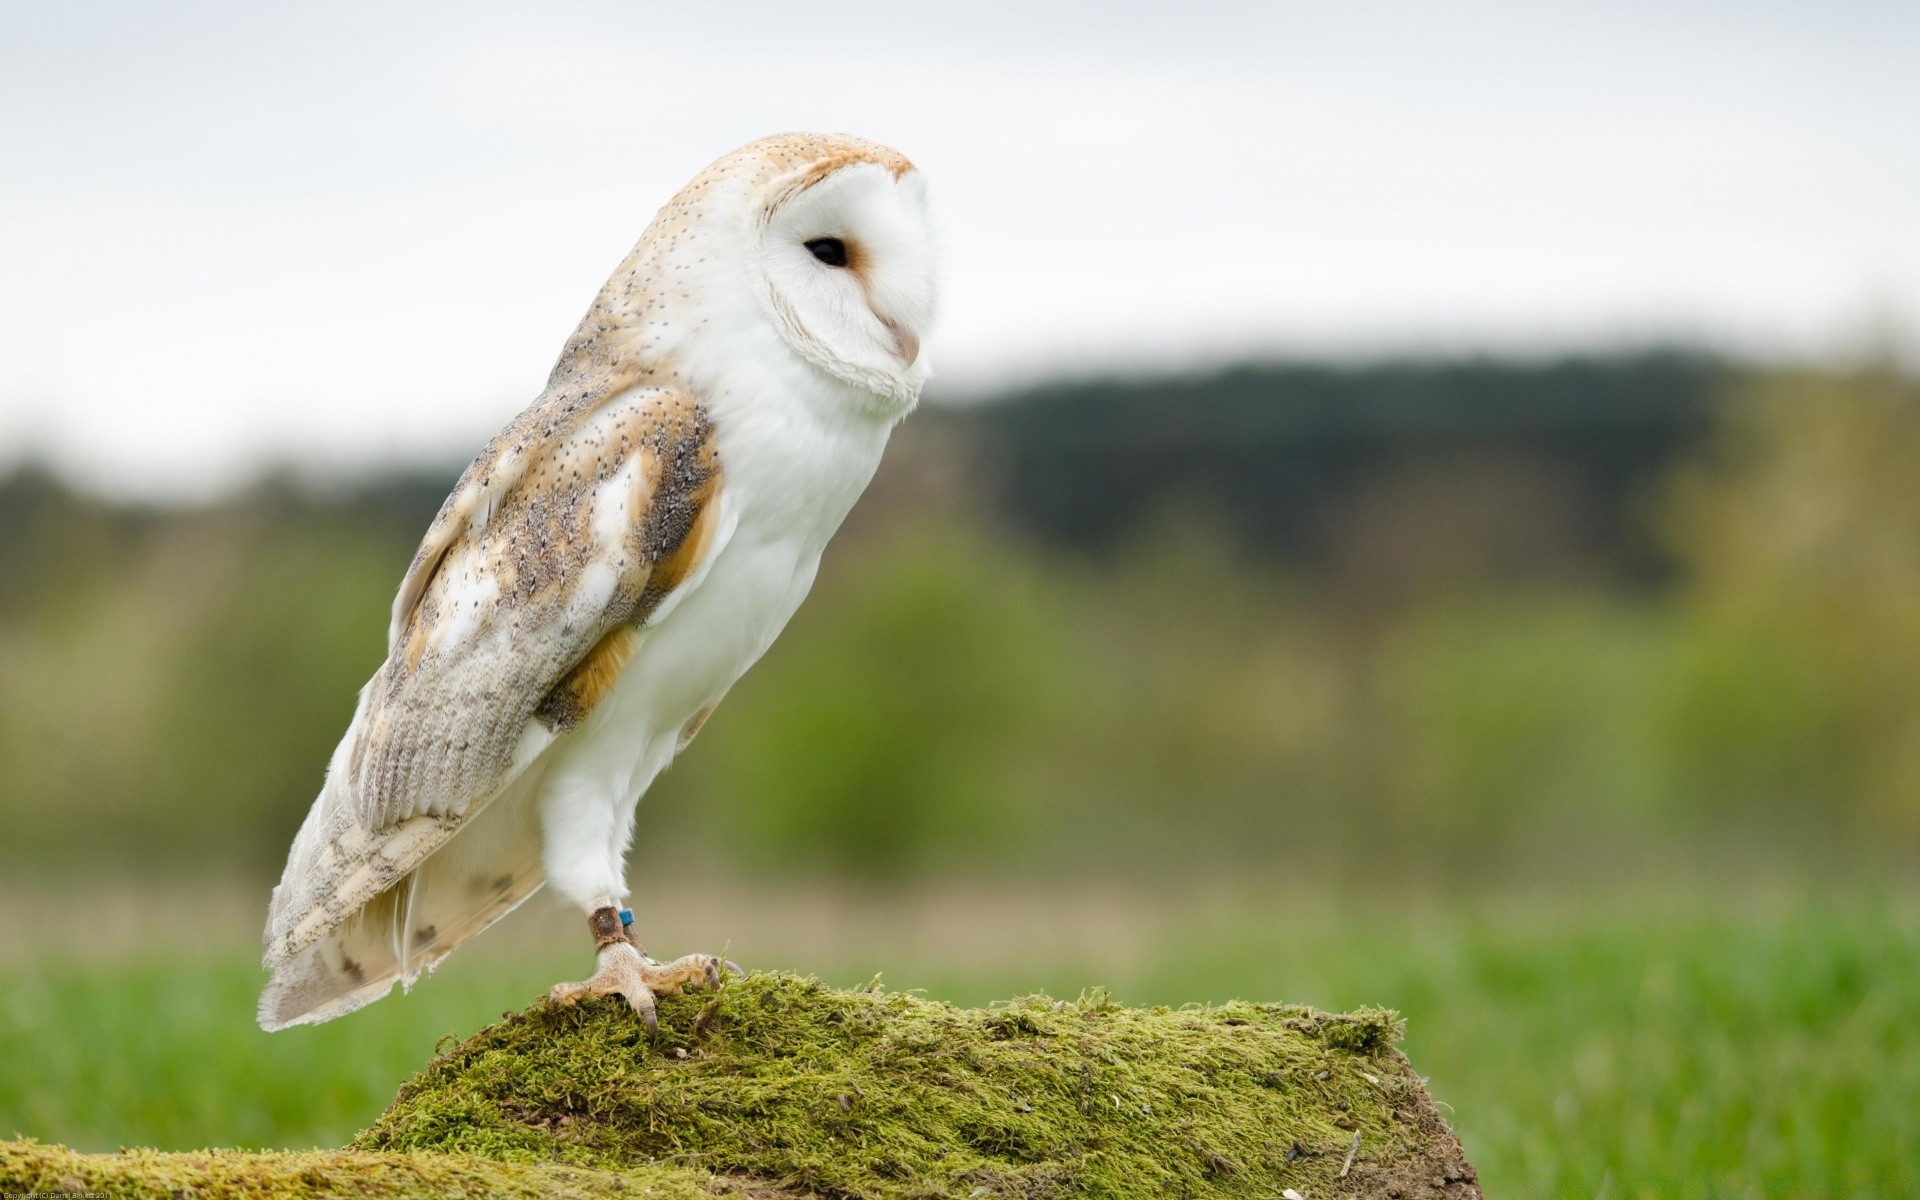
x,y
29,1167
888,1095
783,1087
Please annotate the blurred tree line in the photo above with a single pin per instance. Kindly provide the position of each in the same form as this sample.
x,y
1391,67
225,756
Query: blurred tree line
x,y
1408,618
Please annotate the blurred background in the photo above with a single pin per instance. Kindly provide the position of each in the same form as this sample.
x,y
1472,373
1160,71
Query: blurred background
x,y
1419,507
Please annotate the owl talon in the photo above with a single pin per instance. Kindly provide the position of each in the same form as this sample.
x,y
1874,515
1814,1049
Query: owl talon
x,y
625,971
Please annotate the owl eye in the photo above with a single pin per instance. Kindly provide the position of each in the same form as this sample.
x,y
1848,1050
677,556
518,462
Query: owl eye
x,y
831,251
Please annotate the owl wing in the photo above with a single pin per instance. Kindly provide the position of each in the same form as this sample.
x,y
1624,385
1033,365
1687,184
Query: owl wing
x,y
526,596
576,526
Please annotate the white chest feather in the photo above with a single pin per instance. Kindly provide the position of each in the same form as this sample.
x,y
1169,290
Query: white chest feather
x,y
790,478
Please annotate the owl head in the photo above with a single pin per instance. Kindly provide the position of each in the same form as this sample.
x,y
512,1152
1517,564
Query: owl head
x,y
844,254
818,243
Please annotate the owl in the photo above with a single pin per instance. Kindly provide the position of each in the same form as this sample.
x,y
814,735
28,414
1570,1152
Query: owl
x,y
605,570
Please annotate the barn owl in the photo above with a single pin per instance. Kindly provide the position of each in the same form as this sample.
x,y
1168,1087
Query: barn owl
x,y
606,569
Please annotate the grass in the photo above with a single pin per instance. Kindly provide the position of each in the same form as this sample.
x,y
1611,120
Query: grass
x,y
1686,1046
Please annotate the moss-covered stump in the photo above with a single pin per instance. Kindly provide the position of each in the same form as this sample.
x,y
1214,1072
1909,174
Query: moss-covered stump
x,y
887,1095
30,1168
783,1087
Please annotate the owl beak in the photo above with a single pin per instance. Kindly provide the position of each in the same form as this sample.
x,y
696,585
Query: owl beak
x,y
906,343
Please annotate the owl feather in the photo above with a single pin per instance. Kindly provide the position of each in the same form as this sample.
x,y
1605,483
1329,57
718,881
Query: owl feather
x,y
525,601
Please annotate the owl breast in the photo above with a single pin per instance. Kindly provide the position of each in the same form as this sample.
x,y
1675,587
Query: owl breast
x,y
789,481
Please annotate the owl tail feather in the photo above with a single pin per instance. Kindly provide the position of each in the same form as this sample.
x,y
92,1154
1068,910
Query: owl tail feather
x,y
335,944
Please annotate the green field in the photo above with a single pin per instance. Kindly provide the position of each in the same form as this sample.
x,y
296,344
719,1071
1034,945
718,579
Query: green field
x,y
1652,1046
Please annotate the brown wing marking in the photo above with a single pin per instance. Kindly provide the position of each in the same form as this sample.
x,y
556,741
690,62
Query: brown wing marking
x,y
679,529
592,678
692,728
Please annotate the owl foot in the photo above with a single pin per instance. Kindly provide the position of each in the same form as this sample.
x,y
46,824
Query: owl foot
x,y
625,968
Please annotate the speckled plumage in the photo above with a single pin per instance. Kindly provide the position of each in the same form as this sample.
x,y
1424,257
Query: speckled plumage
x,y
609,564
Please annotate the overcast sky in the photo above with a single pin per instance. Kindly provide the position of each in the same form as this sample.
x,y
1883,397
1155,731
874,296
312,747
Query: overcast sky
x,y
234,235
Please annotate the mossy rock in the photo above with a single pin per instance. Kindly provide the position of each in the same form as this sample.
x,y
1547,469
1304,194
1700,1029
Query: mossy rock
x,y
782,1086
32,1168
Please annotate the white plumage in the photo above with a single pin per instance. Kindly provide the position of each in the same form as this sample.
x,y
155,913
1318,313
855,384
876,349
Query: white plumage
x,y
607,568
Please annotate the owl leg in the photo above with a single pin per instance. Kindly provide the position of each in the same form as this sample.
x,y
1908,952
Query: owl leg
x,y
624,968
